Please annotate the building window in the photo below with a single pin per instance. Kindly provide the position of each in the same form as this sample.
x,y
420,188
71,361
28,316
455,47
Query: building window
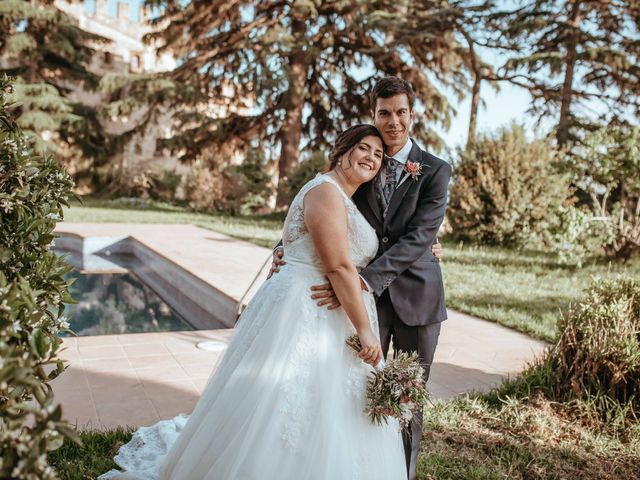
x,y
136,62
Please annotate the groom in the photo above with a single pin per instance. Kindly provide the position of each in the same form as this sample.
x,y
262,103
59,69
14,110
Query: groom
x,y
405,203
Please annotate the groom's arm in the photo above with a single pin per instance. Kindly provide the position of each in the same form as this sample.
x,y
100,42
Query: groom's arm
x,y
419,236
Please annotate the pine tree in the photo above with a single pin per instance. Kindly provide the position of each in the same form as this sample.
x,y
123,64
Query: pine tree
x,y
572,55
293,73
48,53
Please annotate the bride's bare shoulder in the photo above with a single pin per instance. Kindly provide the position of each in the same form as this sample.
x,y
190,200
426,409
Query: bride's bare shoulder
x,y
323,198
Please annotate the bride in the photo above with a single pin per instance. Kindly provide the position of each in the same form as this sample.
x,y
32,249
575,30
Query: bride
x,y
287,400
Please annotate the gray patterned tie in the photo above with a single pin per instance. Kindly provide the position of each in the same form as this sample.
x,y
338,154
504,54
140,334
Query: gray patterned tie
x,y
390,182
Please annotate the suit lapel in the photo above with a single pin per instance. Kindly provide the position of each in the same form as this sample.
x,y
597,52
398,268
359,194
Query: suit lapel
x,y
372,199
415,155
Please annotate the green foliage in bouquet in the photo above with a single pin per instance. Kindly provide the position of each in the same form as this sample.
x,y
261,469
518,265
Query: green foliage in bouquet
x,y
598,355
506,191
396,390
32,291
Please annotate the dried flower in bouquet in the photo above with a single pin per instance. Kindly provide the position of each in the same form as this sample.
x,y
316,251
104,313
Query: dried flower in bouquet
x,y
396,389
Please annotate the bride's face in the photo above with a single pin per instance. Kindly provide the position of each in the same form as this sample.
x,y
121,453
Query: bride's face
x,y
363,161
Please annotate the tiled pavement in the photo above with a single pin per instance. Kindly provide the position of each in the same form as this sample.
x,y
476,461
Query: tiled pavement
x,y
134,379
137,379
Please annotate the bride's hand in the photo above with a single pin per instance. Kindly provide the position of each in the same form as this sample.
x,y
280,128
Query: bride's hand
x,y
371,351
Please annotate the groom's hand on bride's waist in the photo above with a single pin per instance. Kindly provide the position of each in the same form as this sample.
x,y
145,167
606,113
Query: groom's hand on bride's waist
x,y
277,261
327,297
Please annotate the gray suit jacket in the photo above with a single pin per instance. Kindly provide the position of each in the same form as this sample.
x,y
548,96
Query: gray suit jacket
x,y
404,263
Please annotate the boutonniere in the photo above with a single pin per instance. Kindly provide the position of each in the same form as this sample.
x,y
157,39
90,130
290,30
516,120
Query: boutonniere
x,y
414,169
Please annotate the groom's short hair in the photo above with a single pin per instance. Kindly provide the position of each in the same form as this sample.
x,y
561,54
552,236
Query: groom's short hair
x,y
390,86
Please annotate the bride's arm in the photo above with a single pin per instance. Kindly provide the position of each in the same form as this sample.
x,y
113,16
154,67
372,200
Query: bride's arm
x,y
325,216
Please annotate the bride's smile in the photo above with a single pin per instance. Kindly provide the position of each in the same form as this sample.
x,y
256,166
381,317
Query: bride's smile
x,y
360,164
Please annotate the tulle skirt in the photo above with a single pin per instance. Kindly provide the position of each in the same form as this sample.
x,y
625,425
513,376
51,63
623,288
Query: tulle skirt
x,y
286,402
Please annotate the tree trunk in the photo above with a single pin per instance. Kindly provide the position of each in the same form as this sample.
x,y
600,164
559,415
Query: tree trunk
x,y
567,88
291,132
473,117
475,92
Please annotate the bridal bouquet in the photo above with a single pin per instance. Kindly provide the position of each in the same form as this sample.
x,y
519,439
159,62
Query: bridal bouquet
x,y
396,389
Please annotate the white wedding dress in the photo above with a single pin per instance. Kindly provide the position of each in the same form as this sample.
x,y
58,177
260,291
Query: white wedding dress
x,y
287,399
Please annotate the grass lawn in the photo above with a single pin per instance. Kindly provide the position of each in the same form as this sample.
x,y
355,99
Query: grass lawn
x,y
526,291
263,230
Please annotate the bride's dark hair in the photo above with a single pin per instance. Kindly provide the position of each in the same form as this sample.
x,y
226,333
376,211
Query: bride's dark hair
x,y
349,139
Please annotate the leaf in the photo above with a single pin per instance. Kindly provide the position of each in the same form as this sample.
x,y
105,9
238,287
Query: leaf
x,y
39,342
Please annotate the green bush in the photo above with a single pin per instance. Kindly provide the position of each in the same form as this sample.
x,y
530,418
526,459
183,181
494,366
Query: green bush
x,y
597,357
257,181
578,235
32,291
506,191
606,170
235,189
165,185
302,173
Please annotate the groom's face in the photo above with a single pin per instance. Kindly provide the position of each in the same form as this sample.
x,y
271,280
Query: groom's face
x,y
392,117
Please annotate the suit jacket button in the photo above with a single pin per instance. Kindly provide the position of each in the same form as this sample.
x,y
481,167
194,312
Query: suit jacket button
x,y
385,240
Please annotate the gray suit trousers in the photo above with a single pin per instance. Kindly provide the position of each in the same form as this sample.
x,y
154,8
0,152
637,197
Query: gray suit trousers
x,y
421,339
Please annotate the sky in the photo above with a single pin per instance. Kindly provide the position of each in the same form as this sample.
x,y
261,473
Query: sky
x,y
499,109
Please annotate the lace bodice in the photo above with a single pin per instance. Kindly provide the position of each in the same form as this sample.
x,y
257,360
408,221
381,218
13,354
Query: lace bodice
x,y
363,242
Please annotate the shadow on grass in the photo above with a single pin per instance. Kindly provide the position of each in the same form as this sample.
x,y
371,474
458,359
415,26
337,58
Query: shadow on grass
x,y
515,432
469,452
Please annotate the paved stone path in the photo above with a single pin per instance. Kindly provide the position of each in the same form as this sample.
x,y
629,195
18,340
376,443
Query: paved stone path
x,y
137,379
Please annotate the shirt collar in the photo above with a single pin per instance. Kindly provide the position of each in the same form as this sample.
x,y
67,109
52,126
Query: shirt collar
x,y
403,155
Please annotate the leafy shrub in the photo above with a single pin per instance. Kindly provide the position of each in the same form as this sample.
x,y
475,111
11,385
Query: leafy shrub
x,y
164,185
505,191
236,189
210,188
302,173
257,181
598,354
606,169
32,291
578,234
